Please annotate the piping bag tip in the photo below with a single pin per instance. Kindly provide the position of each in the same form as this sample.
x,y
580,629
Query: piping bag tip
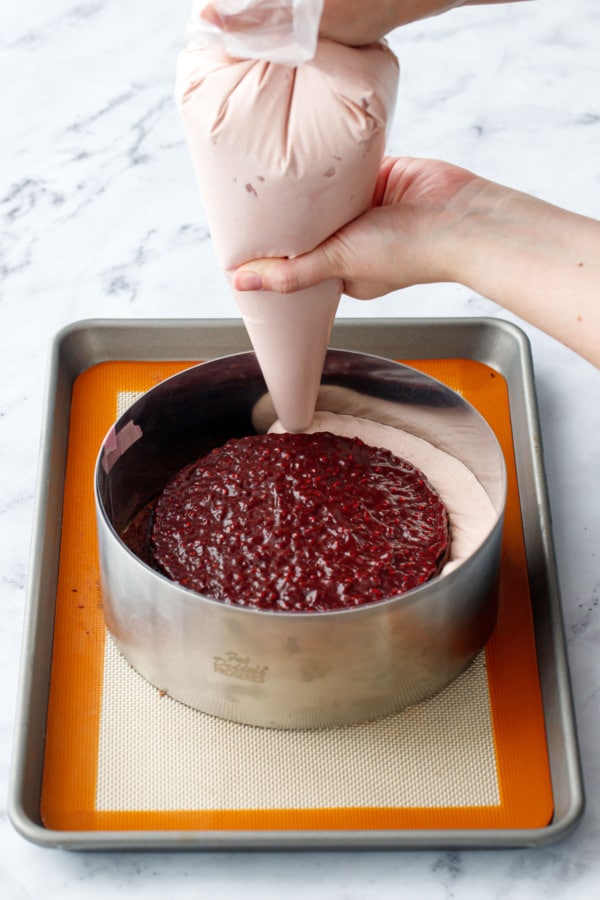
x,y
290,335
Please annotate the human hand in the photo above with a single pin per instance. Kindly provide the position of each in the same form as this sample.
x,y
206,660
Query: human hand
x,y
404,239
352,22
355,22
431,221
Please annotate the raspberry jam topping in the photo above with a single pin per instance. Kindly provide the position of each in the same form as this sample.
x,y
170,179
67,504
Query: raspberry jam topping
x,y
299,522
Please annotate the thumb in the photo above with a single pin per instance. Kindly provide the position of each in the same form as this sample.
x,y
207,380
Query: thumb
x,y
284,276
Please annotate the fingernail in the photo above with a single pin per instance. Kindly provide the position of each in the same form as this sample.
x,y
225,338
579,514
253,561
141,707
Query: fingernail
x,y
248,281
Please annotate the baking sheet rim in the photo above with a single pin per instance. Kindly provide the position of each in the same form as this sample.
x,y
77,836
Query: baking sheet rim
x,y
479,335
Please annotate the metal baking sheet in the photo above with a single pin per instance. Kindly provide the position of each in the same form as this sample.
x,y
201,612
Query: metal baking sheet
x,y
494,342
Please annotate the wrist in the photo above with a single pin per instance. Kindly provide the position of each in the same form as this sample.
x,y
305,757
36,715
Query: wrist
x,y
457,234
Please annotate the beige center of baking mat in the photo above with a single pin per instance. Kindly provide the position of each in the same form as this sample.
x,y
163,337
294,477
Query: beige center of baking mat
x,y
156,753
120,755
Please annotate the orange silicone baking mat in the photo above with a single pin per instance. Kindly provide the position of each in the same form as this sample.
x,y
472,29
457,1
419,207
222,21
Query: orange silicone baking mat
x,y
121,756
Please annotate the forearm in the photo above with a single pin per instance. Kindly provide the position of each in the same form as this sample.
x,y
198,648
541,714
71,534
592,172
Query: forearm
x,y
539,261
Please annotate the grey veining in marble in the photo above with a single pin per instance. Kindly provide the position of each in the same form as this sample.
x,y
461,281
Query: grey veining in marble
x,y
99,217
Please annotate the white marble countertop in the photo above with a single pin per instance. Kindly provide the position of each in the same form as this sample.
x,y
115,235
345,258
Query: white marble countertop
x,y
100,218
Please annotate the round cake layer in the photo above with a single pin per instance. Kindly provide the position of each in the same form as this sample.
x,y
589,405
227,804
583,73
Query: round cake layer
x,y
306,522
